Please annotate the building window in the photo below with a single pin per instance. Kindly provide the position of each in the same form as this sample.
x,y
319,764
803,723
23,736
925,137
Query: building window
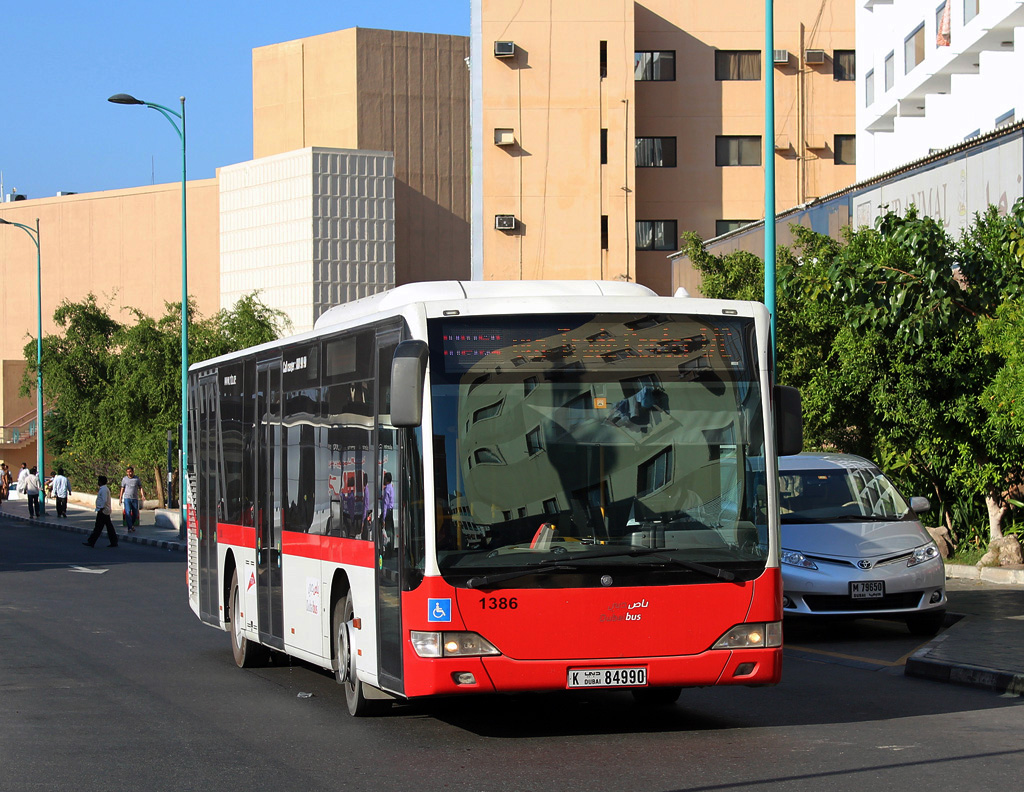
x,y
1005,119
656,235
737,64
869,88
604,232
604,58
970,10
604,146
655,473
913,49
725,226
655,152
943,35
534,444
844,150
890,70
844,65
737,150
551,506
655,65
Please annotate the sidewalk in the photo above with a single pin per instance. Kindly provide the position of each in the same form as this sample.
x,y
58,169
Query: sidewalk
x,y
985,648
157,527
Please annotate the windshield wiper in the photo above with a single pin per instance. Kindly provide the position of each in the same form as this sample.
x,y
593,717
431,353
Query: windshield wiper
x,y
657,552
501,577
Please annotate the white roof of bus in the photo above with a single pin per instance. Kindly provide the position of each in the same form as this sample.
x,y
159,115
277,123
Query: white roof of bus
x,y
430,291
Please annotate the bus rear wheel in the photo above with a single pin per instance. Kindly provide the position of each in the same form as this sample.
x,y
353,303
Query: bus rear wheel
x,y
247,654
345,670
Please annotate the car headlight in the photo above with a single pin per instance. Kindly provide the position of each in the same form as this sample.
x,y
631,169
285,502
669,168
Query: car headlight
x,y
797,559
759,635
924,553
450,644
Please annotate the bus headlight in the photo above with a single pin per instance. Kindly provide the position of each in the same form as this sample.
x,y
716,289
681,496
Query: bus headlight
x,y
760,635
450,644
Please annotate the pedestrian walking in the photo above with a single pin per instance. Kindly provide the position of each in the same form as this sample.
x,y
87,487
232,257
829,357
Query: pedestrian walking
x,y
102,516
61,490
33,486
131,493
22,475
6,482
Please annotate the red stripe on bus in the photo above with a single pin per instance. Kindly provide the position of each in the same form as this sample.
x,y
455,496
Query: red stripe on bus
x,y
354,552
238,535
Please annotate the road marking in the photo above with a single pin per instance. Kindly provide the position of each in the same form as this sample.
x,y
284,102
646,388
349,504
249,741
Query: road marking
x,y
87,570
841,656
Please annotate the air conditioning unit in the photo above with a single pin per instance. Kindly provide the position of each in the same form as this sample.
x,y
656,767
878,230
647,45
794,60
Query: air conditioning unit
x,y
505,222
504,49
780,57
814,56
504,137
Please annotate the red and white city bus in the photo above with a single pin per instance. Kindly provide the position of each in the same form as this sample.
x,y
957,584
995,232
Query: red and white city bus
x,y
464,487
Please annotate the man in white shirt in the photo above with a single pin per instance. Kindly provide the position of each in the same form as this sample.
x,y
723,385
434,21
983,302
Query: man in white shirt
x,y
102,516
61,491
22,475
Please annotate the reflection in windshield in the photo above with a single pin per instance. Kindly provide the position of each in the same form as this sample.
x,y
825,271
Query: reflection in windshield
x,y
840,495
563,437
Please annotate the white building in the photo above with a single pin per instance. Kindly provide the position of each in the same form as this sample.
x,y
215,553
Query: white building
x,y
916,94
308,229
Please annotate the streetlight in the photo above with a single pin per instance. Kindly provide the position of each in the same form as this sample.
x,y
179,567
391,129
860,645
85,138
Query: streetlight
x,y
769,170
34,236
170,115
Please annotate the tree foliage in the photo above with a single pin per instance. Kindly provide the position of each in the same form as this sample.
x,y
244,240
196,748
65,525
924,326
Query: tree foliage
x,y
906,344
113,390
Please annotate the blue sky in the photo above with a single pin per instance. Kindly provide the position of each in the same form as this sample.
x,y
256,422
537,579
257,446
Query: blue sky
x,y
63,58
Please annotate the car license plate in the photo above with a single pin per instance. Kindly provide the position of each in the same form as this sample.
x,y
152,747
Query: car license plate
x,y
867,589
606,677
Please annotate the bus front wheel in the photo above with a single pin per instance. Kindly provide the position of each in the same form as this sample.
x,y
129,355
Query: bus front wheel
x,y
248,654
345,670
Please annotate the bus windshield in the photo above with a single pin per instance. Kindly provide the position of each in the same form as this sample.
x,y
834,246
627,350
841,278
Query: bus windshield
x,y
574,449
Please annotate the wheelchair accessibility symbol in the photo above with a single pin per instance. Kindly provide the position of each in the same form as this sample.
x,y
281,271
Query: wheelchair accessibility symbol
x,y
439,610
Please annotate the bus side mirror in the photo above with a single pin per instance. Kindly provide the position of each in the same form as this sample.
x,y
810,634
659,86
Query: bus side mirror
x,y
408,374
789,421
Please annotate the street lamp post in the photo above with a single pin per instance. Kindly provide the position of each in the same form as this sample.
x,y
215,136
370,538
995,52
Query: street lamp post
x,y
769,168
170,115
34,236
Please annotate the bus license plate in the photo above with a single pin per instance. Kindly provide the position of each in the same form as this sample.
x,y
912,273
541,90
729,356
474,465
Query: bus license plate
x,y
868,589
606,677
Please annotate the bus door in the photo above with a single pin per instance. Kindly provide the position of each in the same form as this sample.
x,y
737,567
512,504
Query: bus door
x,y
387,522
206,451
268,500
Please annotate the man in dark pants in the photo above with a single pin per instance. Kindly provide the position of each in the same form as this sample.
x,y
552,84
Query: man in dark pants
x,y
102,516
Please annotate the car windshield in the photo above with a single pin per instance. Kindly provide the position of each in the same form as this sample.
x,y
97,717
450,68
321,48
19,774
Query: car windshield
x,y
856,493
568,444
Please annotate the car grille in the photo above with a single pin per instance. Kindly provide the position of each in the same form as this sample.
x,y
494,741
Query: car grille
x,y
827,602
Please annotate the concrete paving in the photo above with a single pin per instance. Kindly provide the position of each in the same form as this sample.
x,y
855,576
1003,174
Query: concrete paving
x,y
984,648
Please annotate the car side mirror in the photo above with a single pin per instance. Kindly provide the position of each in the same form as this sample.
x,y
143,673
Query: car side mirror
x,y
408,375
920,505
789,421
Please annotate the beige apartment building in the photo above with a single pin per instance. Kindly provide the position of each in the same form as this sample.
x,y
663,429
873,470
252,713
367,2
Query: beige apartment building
x,y
360,175
602,130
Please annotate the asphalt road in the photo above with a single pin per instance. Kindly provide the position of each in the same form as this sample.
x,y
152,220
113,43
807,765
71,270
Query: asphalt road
x,y
108,682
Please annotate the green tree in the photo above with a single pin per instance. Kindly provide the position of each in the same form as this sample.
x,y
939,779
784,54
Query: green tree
x,y
113,390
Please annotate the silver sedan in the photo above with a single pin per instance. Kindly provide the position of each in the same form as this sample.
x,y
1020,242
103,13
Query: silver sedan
x,y
852,546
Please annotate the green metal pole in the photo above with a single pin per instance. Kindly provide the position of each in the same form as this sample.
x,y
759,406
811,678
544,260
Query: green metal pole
x,y
184,338
39,370
170,115
34,236
769,169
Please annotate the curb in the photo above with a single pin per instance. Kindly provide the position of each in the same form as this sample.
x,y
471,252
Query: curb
x,y
1001,575
920,665
142,540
